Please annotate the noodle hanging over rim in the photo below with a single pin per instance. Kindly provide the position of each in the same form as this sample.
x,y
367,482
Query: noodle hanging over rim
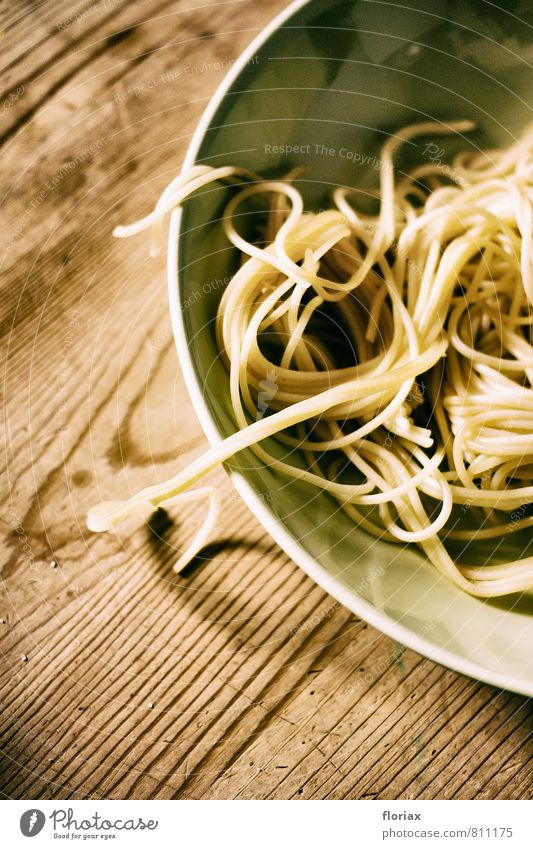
x,y
422,398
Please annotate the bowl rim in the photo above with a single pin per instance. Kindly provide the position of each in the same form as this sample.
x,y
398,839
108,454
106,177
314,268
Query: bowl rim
x,y
290,545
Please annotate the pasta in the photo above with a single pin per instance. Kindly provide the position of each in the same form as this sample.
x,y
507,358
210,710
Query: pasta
x,y
394,350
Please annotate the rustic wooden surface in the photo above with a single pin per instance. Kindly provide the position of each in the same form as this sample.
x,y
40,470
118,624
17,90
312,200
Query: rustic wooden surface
x,y
121,680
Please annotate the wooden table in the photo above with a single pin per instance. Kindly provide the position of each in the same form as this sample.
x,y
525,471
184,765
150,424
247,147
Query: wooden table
x,y
120,679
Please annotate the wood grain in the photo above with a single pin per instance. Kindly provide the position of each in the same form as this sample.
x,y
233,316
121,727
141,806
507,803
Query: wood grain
x,y
119,679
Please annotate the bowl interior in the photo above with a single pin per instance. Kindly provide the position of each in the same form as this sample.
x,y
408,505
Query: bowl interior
x,y
325,89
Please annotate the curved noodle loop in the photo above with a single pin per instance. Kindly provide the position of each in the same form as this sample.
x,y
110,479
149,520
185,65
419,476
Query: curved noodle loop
x,y
394,350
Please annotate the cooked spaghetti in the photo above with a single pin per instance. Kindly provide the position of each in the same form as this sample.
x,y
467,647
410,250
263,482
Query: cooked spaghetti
x,y
422,397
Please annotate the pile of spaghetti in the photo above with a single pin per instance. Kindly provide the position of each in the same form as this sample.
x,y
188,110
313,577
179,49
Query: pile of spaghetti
x,y
393,350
